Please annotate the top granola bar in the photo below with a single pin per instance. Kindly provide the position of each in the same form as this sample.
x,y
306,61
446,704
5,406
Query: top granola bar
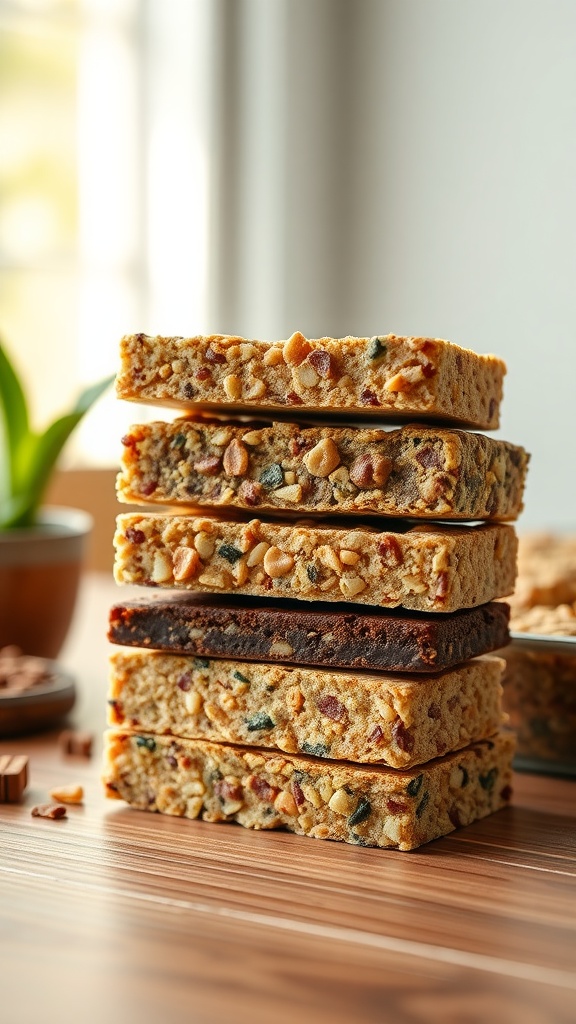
x,y
389,377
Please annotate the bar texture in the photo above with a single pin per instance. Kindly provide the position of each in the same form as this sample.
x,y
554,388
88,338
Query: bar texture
x,y
425,568
332,636
415,471
387,377
352,716
323,799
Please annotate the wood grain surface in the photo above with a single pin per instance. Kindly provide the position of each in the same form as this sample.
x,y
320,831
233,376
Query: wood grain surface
x,y
115,914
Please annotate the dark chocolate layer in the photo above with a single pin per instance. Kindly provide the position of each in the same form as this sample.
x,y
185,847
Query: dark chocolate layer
x,y
326,635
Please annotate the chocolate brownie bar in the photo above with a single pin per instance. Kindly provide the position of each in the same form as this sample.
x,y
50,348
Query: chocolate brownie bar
x,y
330,636
368,806
384,377
415,471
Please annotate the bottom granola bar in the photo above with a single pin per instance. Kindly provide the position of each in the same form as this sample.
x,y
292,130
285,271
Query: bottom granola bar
x,y
323,799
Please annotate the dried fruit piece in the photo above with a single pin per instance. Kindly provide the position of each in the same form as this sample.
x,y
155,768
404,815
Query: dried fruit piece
x,y
369,397
316,749
413,787
229,789
322,362
330,706
376,348
146,742
230,553
272,476
214,357
250,492
264,791
390,551
402,736
259,721
134,535
363,811
422,805
208,466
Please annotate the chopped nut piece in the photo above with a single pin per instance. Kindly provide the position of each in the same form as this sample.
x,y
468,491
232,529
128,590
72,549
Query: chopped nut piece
x,y
295,349
221,437
193,702
306,376
277,562
186,563
286,804
235,460
233,386
292,493
351,587
162,567
273,357
54,811
348,557
370,470
67,794
341,802
257,554
406,379
323,458
253,437
281,649
258,390
204,545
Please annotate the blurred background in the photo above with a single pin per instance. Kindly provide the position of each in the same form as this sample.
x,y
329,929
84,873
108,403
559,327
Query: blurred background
x,y
257,167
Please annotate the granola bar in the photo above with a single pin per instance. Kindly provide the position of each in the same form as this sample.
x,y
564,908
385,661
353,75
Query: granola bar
x,y
326,635
426,567
386,376
540,698
368,806
398,720
546,572
414,471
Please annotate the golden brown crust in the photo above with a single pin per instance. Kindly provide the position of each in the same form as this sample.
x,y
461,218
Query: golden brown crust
x,y
426,568
385,377
321,799
352,716
416,471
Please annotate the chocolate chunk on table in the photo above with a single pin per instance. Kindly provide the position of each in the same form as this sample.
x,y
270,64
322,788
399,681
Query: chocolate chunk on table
x,y
328,635
13,777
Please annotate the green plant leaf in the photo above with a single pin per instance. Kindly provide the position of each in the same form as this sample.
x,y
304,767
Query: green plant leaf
x,y
14,411
91,395
37,458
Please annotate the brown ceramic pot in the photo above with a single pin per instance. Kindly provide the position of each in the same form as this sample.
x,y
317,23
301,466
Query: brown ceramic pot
x,y
39,575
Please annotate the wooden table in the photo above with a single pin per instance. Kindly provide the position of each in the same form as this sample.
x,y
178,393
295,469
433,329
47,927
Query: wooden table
x,y
118,915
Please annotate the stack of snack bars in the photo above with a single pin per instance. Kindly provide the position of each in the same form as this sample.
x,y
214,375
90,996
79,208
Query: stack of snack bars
x,y
325,674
